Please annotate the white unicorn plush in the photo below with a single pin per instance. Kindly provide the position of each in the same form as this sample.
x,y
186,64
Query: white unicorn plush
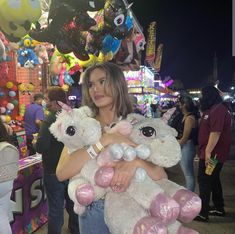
x,y
144,200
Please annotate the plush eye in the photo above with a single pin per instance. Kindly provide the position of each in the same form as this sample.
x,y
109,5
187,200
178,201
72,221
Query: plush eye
x,y
148,131
70,130
119,20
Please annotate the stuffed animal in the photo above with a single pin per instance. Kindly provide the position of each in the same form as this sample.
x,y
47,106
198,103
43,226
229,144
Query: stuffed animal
x,y
41,53
2,51
142,201
27,58
17,16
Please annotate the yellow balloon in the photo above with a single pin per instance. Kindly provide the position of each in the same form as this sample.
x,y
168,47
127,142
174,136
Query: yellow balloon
x,y
8,119
9,84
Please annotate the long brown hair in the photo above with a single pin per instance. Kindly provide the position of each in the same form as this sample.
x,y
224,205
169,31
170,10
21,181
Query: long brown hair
x,y
115,85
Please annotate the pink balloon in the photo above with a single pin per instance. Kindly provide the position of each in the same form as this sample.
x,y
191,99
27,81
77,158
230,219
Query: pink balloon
x,y
165,208
85,194
149,225
190,205
2,110
103,176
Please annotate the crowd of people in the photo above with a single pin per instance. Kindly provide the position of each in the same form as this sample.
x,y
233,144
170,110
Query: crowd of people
x,y
203,130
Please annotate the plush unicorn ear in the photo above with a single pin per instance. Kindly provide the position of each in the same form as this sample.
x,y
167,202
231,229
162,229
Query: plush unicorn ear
x,y
85,111
65,106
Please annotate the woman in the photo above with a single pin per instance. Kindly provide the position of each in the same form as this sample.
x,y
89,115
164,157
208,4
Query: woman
x,y
215,137
104,90
187,139
9,157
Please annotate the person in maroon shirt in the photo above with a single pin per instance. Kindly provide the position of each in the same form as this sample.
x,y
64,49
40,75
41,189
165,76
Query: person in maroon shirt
x,y
215,135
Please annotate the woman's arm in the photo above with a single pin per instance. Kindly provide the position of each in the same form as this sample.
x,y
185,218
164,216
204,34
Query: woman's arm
x,y
71,164
189,123
125,171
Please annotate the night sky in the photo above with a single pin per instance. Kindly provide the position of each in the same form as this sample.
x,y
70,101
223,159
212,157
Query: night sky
x,y
192,32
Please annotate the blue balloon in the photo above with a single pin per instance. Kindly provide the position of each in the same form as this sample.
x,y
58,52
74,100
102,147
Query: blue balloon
x,y
8,112
12,93
1,94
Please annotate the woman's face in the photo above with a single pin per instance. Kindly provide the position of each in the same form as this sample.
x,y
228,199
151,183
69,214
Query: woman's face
x,y
97,89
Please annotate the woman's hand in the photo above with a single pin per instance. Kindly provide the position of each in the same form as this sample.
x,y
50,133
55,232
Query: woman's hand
x,y
123,174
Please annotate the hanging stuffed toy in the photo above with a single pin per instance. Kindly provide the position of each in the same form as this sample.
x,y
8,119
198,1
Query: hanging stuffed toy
x,y
27,58
3,55
64,29
17,16
4,48
41,53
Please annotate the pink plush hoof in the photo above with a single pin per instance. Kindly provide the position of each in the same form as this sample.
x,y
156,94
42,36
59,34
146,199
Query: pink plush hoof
x,y
85,194
185,230
78,209
165,208
149,225
103,176
190,205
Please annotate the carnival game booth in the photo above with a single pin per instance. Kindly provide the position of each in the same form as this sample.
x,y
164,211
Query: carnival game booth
x,y
141,84
17,86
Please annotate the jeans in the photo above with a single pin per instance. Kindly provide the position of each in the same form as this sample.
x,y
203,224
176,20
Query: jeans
x,y
210,184
188,151
5,194
57,194
92,220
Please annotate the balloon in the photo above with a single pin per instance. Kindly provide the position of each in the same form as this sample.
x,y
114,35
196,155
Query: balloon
x,y
4,103
2,110
10,106
7,118
15,102
3,118
14,88
8,112
9,84
1,94
12,93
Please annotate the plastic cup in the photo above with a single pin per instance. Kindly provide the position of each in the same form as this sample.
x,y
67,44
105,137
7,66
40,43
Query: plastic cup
x,y
211,166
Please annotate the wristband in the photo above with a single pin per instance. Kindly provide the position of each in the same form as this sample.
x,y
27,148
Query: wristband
x,y
90,150
99,146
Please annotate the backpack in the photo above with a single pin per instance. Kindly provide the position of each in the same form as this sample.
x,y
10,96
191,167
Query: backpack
x,y
9,161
